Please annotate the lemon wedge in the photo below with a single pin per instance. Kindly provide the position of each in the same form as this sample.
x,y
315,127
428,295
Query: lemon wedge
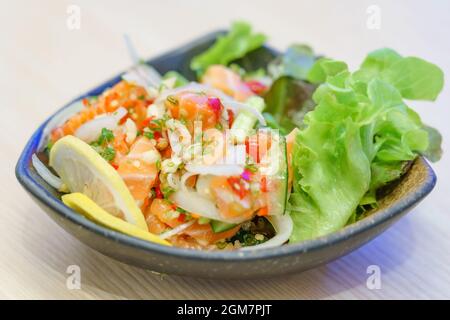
x,y
83,170
85,206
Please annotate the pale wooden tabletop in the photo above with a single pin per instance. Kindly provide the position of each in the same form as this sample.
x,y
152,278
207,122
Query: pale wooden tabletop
x,y
43,64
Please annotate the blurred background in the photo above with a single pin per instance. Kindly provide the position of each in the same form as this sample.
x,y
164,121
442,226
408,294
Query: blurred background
x,y
46,60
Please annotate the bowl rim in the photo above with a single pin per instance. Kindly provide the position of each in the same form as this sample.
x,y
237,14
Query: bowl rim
x,y
35,188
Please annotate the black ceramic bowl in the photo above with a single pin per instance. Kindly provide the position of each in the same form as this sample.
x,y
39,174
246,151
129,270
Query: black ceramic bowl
x,y
407,193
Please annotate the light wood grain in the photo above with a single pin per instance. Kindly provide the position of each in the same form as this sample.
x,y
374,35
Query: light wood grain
x,y
43,65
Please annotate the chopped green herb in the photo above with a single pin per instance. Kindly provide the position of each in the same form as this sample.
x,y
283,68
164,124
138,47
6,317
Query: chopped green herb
x,y
48,147
149,135
108,153
252,167
158,124
167,191
181,210
105,136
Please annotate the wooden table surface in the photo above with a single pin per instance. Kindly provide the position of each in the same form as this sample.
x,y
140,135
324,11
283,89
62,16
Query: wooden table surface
x,y
43,64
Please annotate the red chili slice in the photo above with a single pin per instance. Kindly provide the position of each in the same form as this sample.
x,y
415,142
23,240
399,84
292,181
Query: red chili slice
x,y
256,87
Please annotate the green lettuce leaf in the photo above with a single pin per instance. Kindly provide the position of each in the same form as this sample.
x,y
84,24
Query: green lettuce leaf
x,y
234,45
287,102
334,172
360,137
434,150
295,62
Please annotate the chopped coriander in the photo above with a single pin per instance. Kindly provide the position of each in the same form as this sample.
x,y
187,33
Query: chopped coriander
x,y
108,153
167,191
252,167
105,136
48,147
149,134
181,210
141,97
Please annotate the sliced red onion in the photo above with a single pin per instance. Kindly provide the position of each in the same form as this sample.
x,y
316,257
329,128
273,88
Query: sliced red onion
x,y
45,173
176,230
90,130
283,226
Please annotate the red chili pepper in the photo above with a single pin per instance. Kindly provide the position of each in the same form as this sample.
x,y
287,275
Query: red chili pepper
x,y
230,117
264,211
124,119
157,135
86,102
158,193
115,166
237,187
181,217
264,184
146,122
256,86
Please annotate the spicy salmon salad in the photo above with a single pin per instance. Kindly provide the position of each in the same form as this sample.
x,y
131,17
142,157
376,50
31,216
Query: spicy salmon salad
x,y
231,157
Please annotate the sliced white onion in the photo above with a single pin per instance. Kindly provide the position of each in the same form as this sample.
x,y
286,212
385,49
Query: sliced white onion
x,y
176,230
283,226
143,75
45,173
179,136
236,107
58,119
173,181
203,186
192,202
184,178
90,130
226,170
